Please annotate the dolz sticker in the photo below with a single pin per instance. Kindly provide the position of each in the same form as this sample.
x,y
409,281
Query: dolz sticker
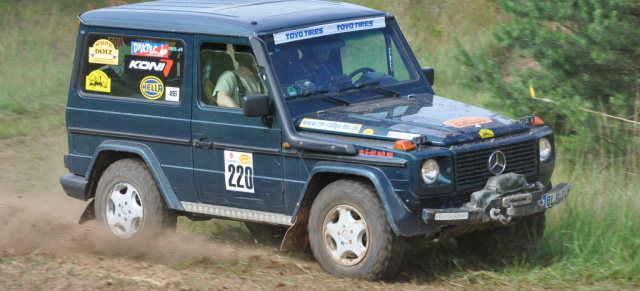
x,y
103,52
238,171
98,81
151,87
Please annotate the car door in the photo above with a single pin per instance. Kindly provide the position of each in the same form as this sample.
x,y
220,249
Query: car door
x,y
237,159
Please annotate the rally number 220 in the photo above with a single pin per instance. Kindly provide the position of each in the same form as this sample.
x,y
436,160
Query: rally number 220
x,y
238,172
240,177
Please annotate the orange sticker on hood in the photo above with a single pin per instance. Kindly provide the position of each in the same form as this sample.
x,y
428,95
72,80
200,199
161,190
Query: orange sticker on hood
x,y
466,121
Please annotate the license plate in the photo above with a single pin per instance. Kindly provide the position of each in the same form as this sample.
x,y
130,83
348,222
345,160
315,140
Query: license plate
x,y
554,198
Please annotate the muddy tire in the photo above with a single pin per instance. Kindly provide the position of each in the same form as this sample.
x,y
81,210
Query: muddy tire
x,y
129,202
350,235
266,234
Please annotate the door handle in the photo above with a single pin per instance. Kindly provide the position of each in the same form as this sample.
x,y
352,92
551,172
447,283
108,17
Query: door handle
x,y
203,143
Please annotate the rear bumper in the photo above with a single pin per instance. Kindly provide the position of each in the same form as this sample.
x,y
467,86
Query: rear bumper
x,y
503,198
75,186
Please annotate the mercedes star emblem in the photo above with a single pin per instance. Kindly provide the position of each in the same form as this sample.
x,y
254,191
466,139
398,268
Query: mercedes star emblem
x,y
497,162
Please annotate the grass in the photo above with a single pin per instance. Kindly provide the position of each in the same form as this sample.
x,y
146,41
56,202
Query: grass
x,y
592,241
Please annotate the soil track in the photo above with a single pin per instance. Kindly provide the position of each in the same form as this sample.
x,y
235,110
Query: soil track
x,y
43,248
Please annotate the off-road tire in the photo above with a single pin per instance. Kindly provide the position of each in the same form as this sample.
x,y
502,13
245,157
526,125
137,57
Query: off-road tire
x,y
384,250
132,177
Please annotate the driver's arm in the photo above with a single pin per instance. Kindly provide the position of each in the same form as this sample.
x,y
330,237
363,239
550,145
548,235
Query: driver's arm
x,y
223,99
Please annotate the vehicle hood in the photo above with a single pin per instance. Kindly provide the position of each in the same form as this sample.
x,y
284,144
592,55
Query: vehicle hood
x,y
441,121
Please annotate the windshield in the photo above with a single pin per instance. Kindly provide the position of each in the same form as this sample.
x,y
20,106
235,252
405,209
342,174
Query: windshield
x,y
319,67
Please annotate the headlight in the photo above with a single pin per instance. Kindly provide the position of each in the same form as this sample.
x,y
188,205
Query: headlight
x,y
545,149
430,171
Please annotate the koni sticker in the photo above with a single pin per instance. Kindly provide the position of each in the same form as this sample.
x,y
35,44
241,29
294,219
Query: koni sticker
x,y
238,171
330,125
377,153
150,49
149,65
466,121
151,87
486,133
98,81
103,52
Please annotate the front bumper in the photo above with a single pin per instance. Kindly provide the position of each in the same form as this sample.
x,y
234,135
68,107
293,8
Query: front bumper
x,y
504,197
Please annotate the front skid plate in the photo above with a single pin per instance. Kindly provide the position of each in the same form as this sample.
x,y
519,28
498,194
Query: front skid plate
x,y
515,205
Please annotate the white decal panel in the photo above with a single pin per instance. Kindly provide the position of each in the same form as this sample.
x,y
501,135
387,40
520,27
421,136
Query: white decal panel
x,y
328,29
238,171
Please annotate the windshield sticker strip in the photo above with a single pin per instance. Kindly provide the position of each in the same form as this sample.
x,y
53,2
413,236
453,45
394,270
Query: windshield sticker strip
x,y
330,125
328,29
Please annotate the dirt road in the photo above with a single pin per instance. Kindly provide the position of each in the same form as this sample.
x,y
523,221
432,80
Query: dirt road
x,y
43,248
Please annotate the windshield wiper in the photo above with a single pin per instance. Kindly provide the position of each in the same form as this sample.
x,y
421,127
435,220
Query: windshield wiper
x,y
359,86
319,92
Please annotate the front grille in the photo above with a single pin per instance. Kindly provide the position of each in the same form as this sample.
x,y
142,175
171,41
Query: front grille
x,y
472,170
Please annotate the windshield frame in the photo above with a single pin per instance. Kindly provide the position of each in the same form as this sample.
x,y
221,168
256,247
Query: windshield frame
x,y
317,101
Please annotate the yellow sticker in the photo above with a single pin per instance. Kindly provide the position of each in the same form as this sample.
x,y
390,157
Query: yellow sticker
x,y
245,159
98,81
103,52
368,131
151,87
486,133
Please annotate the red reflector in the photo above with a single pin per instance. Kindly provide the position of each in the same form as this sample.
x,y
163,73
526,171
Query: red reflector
x,y
404,145
537,121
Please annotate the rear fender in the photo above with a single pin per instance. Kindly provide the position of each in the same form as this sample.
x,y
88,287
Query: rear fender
x,y
146,154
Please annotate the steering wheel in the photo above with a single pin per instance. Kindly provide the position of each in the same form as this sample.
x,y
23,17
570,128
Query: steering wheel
x,y
362,70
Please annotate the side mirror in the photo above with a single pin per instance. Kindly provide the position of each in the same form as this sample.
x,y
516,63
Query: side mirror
x,y
430,73
256,106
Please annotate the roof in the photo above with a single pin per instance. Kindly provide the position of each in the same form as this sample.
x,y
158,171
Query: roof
x,y
231,17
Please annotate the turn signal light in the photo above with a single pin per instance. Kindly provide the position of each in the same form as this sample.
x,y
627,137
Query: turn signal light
x,y
537,121
404,145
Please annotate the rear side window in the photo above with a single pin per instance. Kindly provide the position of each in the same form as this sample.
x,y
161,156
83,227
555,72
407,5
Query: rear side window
x,y
133,67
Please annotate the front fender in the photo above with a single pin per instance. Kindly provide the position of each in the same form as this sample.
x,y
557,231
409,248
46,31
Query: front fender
x,y
144,152
402,221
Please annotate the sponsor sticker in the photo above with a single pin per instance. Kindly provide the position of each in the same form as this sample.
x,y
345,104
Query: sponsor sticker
x,y
238,173
172,94
466,121
149,65
328,29
402,135
377,153
98,81
330,125
150,49
103,52
368,131
151,87
486,133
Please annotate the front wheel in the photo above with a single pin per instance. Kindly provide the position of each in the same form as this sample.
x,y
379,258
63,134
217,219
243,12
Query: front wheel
x,y
349,232
129,201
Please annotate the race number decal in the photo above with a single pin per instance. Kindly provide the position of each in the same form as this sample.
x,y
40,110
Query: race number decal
x,y
238,173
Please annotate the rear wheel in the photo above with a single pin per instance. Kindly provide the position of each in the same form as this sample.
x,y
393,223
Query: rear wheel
x,y
349,232
129,201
